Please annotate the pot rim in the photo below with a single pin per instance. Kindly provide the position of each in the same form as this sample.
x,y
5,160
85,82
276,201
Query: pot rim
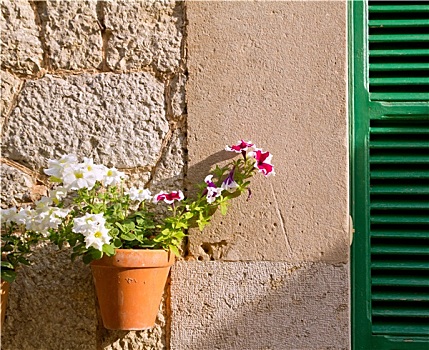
x,y
137,258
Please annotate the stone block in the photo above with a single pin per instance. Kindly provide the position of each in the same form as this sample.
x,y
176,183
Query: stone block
x,y
178,95
259,305
170,171
16,186
72,34
117,119
10,86
278,79
52,305
143,34
21,48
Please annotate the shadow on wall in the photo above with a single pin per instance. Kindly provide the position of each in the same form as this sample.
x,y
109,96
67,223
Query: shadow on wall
x,y
259,305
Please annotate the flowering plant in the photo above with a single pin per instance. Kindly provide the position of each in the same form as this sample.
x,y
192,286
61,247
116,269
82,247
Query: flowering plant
x,y
90,208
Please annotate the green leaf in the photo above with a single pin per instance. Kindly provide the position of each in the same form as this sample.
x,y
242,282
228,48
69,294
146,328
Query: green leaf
x,y
8,275
6,264
108,249
174,249
128,236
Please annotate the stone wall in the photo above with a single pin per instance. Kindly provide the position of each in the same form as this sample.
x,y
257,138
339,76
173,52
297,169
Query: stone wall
x,y
106,79
101,79
273,273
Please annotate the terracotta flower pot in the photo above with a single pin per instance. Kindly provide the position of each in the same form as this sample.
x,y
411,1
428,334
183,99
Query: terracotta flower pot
x,y
5,286
130,285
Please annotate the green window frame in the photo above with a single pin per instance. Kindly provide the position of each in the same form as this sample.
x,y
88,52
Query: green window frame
x,y
389,167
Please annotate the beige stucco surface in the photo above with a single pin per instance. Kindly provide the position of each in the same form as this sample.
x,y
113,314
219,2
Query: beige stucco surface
x,y
273,73
259,305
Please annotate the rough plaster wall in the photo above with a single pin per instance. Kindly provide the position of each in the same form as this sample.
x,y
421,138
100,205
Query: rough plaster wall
x,y
259,305
74,79
273,72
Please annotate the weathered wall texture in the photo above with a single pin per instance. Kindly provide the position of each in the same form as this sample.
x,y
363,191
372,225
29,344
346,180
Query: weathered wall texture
x,y
273,72
106,79
103,79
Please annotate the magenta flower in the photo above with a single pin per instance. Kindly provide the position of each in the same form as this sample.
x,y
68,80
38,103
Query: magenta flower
x,y
263,161
229,184
212,191
168,198
240,147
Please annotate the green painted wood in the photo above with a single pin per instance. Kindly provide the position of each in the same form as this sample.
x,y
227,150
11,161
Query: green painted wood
x,y
395,8
399,232
412,66
400,265
394,38
389,86
399,250
394,295
398,52
388,23
398,81
400,281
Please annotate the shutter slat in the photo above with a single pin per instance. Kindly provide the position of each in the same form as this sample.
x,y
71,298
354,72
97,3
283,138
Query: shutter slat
x,y
399,204
395,219
398,66
394,295
398,81
400,328
399,174
398,96
398,53
398,8
400,250
400,189
398,23
400,311
399,159
399,143
406,130
400,281
395,38
400,233
400,265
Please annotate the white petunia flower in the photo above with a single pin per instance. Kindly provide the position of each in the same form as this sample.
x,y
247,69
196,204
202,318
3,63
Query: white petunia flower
x,y
113,177
78,177
98,238
56,167
88,223
7,215
139,194
57,194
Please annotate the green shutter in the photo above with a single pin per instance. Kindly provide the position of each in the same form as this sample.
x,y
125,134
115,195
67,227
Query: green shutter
x,y
389,86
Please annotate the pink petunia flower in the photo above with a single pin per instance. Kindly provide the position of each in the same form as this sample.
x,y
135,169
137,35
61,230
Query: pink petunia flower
x,y
263,161
168,198
240,147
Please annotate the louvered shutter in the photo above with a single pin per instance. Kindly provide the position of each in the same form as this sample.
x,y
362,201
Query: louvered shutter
x,y
390,197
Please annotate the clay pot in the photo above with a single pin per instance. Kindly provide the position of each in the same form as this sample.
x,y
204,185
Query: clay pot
x,y
130,285
5,286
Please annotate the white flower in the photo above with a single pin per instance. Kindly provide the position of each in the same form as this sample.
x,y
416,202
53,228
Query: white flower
x,y
22,216
113,176
139,194
57,194
43,203
56,167
95,171
77,177
88,223
98,238
7,215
